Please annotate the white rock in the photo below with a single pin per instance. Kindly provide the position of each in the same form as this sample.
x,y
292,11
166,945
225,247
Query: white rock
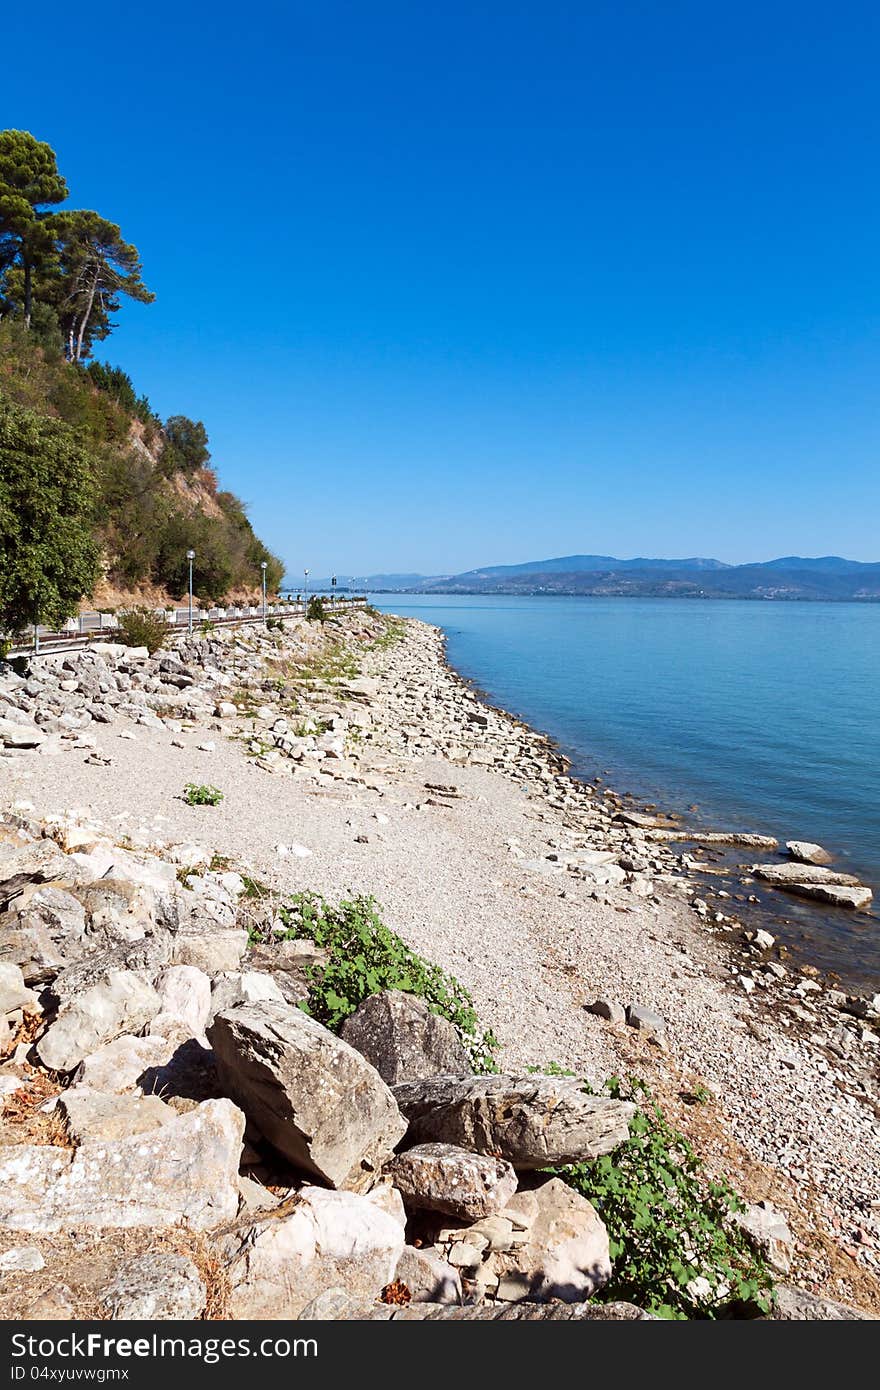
x,y
277,1265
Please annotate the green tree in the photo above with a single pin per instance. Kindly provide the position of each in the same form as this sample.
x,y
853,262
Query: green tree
x,y
48,556
186,446
95,267
30,186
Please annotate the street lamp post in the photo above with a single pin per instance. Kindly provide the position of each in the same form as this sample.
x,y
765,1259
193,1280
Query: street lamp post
x,y
190,555
306,573
333,587
263,568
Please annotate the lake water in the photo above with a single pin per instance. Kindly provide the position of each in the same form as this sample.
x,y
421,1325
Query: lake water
x,y
764,715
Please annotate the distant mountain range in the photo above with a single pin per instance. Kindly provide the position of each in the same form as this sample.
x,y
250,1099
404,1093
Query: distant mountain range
x,y
791,577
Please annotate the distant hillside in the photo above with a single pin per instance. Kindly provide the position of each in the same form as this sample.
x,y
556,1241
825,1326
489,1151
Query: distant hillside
x,y
156,494
828,577
592,564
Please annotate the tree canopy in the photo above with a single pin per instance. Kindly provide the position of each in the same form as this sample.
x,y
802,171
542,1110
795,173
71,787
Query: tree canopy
x,y
71,265
186,444
48,555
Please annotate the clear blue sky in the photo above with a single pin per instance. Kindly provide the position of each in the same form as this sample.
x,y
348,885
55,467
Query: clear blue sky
x,y
473,283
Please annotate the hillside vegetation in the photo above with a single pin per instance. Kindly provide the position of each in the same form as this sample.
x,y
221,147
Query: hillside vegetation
x,y
98,495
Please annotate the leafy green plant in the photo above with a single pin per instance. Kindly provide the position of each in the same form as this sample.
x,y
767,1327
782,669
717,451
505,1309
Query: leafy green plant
x,y
206,627
275,624
195,795
316,612
674,1246
366,957
141,627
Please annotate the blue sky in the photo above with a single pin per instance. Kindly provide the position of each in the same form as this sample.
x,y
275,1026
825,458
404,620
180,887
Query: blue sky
x,y
465,284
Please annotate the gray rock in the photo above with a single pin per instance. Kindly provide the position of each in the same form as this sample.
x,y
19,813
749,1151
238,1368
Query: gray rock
x,y
785,874
314,1097
42,931
856,898
96,1115
441,1177
185,1173
429,1278
13,993
123,1004
211,948
155,1287
796,1305
185,1002
401,1037
609,1009
32,863
767,1230
532,1122
493,1312
644,1020
278,1265
244,987
120,1065
15,735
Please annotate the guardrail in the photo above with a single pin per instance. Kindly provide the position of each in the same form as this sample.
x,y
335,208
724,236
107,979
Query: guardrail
x,y
95,627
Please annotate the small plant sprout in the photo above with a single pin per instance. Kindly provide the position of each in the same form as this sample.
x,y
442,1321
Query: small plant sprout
x,y
195,795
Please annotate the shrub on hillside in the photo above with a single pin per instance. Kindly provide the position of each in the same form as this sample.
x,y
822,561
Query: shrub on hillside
x,y
141,627
366,957
316,612
675,1248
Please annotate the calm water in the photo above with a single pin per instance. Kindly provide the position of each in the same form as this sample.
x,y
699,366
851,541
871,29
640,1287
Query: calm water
x,y
763,714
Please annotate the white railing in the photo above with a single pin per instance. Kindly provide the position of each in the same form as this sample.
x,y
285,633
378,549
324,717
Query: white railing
x,y
96,625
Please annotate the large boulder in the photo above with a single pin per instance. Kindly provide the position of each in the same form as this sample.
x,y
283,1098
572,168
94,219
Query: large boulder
x,y
278,1264
39,862
532,1122
403,1039
442,1177
315,1098
123,1003
208,947
42,931
184,1173
858,898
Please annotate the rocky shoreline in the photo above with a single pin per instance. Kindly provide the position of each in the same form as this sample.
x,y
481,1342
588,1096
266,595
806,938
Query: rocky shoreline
x,y
581,924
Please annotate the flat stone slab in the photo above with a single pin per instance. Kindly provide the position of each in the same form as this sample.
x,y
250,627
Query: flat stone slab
x,y
532,1122
185,1173
784,874
856,898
